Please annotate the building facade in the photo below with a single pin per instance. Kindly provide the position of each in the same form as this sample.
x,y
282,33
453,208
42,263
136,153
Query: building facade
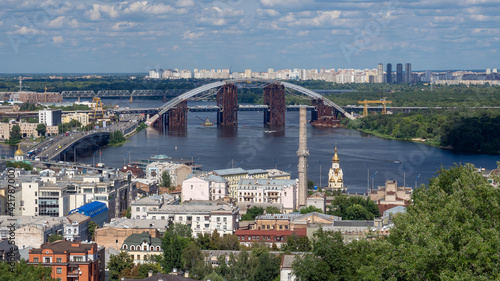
x,y
49,117
204,188
142,246
81,117
70,260
336,175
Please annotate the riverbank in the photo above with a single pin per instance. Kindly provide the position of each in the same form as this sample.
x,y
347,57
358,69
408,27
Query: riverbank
x,y
430,142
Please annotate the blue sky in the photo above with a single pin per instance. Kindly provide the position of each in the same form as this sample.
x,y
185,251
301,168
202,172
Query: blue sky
x,y
135,36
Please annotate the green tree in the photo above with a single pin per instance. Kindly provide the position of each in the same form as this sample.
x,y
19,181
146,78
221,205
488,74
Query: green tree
x,y
310,209
54,237
172,246
268,267
24,272
41,129
353,208
229,242
118,263
272,210
296,243
92,226
165,179
252,213
20,164
15,135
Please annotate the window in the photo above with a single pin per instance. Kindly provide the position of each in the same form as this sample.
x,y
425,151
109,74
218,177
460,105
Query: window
x,y
132,248
35,259
225,219
47,260
124,246
218,219
138,257
58,260
59,270
78,258
116,241
153,217
36,193
152,248
144,209
137,209
157,248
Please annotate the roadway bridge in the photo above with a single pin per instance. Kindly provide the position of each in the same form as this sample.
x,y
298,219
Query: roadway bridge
x,y
77,144
208,108
173,113
123,93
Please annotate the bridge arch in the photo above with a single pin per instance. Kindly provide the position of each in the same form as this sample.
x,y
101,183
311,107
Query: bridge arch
x,y
189,94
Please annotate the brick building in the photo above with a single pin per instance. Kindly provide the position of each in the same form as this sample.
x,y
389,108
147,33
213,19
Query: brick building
x,y
71,261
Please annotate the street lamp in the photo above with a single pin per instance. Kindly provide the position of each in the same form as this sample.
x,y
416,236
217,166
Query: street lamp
x,y
373,178
416,180
320,185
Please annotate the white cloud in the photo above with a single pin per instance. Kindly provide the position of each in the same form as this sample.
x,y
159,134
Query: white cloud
x,y
57,39
268,12
98,10
57,22
188,35
273,3
217,17
147,8
26,30
184,3
123,25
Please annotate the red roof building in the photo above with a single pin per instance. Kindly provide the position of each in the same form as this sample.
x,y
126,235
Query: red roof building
x,y
278,237
70,261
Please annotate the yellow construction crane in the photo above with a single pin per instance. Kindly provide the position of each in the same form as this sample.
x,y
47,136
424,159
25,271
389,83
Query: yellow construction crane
x,y
366,102
97,106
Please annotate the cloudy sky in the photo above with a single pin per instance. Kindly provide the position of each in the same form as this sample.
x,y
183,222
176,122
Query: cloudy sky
x,y
135,36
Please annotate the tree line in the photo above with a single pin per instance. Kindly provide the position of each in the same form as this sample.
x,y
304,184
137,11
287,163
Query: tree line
x,y
461,130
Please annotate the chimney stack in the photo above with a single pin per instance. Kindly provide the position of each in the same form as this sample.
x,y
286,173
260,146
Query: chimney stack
x,y
302,153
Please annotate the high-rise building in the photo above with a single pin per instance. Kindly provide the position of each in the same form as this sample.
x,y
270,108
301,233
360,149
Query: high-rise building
x,y
399,73
408,74
49,117
380,73
389,73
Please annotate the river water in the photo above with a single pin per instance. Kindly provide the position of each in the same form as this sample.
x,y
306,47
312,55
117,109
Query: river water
x,y
362,156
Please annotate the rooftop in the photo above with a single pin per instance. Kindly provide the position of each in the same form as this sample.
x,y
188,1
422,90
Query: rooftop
x,y
91,209
232,171
135,239
63,246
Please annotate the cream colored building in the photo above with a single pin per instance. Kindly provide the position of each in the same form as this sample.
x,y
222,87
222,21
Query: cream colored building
x,y
27,130
81,117
335,175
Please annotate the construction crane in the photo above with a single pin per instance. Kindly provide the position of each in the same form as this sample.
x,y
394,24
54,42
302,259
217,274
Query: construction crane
x,y
366,102
97,106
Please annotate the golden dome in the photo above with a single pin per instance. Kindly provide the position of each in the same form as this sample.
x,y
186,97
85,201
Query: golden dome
x,y
335,156
19,152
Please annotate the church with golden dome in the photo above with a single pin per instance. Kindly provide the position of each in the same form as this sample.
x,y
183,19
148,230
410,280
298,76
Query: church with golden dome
x,y
19,154
335,175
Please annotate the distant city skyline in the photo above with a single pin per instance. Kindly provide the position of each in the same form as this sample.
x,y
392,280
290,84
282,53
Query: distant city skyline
x,y
135,36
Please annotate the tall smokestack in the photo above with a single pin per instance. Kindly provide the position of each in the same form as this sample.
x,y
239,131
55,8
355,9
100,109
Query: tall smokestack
x,y
302,153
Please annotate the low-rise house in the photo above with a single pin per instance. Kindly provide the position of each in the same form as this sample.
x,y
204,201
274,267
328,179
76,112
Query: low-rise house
x,y
71,260
77,228
178,172
318,200
141,247
32,231
286,272
350,229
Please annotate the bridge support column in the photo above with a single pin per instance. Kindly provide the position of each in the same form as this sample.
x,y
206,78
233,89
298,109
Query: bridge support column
x,y
324,115
177,117
274,98
227,101
131,99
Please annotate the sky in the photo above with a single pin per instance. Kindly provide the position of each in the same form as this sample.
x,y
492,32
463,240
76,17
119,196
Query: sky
x,y
74,36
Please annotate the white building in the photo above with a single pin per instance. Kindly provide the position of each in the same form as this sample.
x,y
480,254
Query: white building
x,y
178,172
204,188
202,217
272,191
49,117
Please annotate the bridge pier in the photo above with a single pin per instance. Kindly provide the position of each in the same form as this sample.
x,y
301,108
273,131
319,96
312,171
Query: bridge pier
x,y
131,99
324,115
227,101
177,117
274,98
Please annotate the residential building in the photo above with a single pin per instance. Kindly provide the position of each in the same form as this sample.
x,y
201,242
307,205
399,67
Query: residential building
x,y
282,192
233,177
70,260
286,272
350,229
50,117
77,228
141,247
210,187
268,237
34,97
178,172
318,200
114,236
408,74
389,73
81,117
202,217
276,174
380,73
292,221
27,129
399,73
391,195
